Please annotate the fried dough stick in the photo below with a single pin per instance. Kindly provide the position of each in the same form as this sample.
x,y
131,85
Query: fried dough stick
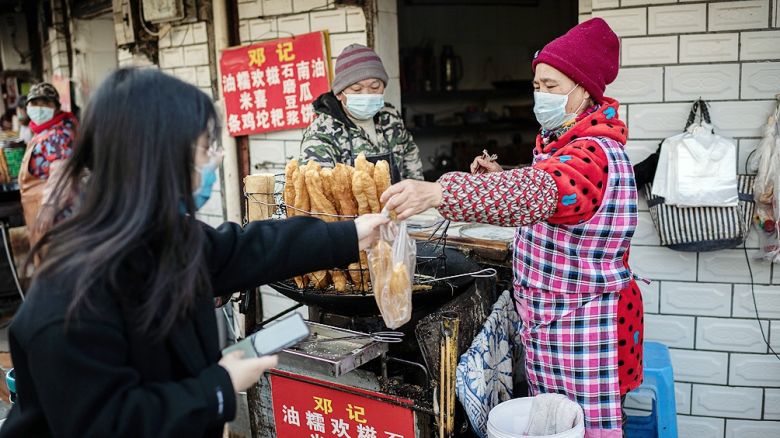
x,y
362,164
364,189
342,191
381,178
289,186
329,188
319,204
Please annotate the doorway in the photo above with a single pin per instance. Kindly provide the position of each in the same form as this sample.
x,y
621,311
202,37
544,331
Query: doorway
x,y
466,76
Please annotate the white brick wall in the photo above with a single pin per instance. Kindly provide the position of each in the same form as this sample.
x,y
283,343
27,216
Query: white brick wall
x,y
700,427
726,401
674,331
709,47
705,299
729,334
650,50
642,84
710,82
772,404
738,15
752,429
768,298
625,22
701,305
754,370
760,79
184,53
700,366
760,45
677,19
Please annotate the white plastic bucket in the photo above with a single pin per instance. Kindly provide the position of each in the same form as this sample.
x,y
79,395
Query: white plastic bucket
x,y
510,420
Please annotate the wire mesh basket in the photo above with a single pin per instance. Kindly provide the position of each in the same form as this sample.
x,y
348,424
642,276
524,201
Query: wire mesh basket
x,y
430,265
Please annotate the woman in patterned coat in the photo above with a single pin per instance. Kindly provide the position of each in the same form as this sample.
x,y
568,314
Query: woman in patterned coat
x,y
576,211
54,131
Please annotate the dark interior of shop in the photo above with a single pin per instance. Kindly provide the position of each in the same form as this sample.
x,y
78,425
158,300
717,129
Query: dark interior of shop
x,y
466,76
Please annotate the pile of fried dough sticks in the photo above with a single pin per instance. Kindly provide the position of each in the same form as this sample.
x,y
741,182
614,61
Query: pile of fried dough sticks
x,y
335,194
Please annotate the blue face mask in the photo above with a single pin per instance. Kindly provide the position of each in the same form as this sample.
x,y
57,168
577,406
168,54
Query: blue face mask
x,y
40,114
364,106
550,109
208,176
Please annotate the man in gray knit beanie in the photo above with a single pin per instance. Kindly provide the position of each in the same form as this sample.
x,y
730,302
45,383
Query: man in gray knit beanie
x,y
353,118
356,64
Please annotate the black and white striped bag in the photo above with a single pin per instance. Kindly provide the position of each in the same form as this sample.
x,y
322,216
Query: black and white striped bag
x,y
703,228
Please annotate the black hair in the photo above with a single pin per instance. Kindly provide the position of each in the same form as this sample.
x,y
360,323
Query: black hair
x,y
137,144
21,101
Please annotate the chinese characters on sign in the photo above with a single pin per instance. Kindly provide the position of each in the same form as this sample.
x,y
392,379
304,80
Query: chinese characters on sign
x,y
322,410
270,86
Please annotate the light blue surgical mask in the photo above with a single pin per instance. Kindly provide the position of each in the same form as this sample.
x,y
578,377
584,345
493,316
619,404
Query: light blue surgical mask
x,y
208,176
40,114
364,106
550,109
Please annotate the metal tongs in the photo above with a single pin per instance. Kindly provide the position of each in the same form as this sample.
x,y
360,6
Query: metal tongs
x,y
388,337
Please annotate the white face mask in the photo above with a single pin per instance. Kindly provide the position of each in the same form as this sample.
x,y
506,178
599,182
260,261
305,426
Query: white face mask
x,y
40,114
550,109
365,106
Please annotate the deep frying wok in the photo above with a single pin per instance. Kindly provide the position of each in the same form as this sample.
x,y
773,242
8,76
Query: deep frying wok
x,y
431,261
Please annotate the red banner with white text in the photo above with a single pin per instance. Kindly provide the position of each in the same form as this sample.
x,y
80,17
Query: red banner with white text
x,y
311,408
270,86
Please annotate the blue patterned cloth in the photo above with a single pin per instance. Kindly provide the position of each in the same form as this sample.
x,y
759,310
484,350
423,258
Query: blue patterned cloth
x,y
485,374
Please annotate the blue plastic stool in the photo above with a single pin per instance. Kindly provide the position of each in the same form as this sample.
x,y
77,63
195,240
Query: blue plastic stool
x,y
659,379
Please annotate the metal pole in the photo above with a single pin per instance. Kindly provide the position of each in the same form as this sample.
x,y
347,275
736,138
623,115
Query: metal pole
x,y
230,171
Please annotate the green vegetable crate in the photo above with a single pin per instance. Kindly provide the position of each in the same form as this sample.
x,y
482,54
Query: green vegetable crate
x,y
13,157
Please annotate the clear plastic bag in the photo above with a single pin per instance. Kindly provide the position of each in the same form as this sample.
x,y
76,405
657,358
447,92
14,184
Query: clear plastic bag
x,y
767,219
765,161
392,263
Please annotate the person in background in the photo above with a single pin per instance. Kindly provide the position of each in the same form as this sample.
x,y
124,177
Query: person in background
x,y
53,133
23,120
117,336
354,118
6,121
576,207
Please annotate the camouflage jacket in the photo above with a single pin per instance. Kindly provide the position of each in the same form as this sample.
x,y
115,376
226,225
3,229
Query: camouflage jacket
x,y
333,138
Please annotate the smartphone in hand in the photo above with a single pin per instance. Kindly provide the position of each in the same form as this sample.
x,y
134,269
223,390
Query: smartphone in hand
x,y
274,338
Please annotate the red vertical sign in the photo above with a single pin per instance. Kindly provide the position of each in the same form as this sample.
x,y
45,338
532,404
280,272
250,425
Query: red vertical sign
x,y
309,408
270,86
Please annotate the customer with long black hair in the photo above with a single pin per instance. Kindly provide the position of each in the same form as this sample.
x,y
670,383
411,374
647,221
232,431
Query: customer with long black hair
x,y
117,336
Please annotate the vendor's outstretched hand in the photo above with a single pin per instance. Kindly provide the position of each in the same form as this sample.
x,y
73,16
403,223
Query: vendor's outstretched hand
x,y
368,229
481,165
410,197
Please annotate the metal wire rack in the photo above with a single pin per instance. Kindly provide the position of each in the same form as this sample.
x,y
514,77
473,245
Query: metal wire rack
x,y
432,264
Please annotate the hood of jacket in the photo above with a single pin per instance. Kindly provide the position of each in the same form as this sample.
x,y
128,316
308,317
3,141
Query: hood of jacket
x,y
604,122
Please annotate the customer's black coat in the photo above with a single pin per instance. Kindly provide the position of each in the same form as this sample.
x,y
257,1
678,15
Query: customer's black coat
x,y
98,377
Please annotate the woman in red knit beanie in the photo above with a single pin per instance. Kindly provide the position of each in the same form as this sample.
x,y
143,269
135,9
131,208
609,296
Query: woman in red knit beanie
x,y
576,209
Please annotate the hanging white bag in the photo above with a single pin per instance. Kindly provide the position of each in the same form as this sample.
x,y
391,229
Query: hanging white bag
x,y
706,169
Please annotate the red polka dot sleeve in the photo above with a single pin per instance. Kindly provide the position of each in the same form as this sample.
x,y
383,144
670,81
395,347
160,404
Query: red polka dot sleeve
x,y
580,172
513,198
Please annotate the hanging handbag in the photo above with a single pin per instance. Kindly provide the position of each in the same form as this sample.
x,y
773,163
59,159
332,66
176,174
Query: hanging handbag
x,y
702,228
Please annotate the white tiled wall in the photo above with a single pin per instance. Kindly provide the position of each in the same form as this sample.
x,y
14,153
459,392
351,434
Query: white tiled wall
x,y
280,18
185,54
701,305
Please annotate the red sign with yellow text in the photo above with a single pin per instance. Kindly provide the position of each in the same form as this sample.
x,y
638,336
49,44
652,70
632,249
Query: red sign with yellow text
x,y
270,86
310,408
